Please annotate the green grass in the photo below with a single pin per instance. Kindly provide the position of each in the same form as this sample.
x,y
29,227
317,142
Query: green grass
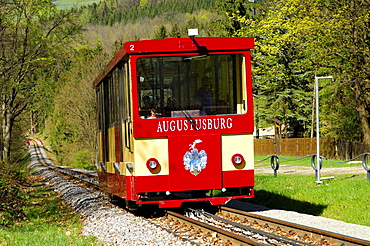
x,y
49,222
345,198
63,4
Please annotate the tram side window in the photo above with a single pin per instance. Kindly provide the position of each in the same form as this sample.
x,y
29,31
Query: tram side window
x,y
99,105
115,97
111,99
173,85
105,106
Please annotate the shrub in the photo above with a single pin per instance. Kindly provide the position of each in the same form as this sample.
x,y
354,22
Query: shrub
x,y
12,197
81,159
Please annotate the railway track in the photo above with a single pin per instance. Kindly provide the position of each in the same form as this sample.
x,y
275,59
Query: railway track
x,y
227,227
319,237
235,227
86,176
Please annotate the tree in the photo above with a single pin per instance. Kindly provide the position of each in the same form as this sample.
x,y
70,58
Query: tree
x,y
33,35
343,44
282,74
161,33
72,124
175,31
233,12
143,3
334,36
295,43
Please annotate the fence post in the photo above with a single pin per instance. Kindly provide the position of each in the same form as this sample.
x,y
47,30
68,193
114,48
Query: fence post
x,y
275,164
315,166
365,165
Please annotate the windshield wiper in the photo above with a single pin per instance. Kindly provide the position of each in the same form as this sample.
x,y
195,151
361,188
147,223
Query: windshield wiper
x,y
183,111
194,57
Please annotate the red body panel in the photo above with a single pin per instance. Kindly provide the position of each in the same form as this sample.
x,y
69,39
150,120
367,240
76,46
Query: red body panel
x,y
130,188
152,183
208,177
238,178
203,44
163,127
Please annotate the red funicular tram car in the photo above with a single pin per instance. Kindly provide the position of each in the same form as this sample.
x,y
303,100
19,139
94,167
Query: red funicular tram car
x,y
175,121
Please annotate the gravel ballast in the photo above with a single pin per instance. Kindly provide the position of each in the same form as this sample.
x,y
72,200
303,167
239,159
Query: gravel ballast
x,y
111,225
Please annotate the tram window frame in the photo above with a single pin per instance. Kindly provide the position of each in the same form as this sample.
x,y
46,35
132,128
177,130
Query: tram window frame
x,y
155,79
109,102
121,84
106,105
100,105
115,79
112,100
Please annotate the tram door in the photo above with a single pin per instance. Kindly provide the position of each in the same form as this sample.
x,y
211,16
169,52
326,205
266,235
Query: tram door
x,y
127,139
126,129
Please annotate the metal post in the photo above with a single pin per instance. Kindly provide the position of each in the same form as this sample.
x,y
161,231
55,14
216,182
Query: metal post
x,y
318,179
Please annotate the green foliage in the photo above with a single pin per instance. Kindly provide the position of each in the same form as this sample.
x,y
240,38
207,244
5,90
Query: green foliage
x,y
71,131
81,159
110,12
35,35
295,43
161,33
282,75
175,31
343,118
11,195
143,3
232,11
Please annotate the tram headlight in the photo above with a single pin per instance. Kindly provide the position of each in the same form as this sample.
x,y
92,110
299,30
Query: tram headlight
x,y
152,164
237,160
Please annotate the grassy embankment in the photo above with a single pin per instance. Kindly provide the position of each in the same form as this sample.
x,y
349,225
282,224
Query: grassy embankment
x,y
345,198
43,219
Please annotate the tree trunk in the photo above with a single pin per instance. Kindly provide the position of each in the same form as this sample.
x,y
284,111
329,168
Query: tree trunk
x,y
363,114
357,56
2,130
7,133
7,124
33,123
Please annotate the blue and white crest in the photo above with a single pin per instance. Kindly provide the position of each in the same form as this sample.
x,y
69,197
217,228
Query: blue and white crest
x,y
194,160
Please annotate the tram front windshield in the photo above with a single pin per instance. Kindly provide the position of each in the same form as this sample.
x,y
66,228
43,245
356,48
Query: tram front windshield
x,y
172,86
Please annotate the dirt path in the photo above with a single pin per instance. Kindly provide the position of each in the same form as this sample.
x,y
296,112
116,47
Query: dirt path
x,y
302,170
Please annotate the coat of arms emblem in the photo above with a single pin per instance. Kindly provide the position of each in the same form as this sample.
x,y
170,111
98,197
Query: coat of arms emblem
x,y
194,160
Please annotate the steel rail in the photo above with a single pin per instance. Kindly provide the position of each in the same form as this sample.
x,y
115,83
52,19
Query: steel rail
x,y
303,231
279,238
45,161
226,236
